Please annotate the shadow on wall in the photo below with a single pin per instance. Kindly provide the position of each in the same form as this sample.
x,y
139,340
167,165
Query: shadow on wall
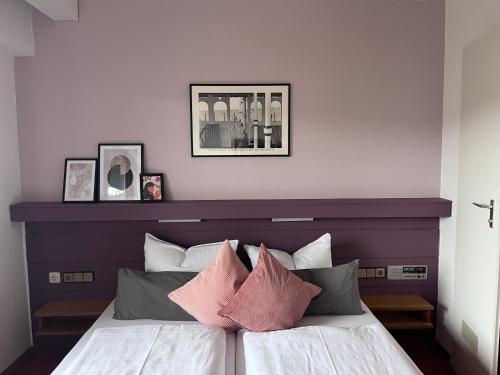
x,y
464,348
465,362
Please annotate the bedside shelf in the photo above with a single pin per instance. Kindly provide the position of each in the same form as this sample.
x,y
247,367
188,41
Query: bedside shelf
x,y
68,318
401,311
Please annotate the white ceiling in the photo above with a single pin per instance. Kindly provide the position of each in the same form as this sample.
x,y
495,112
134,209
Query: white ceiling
x,y
58,10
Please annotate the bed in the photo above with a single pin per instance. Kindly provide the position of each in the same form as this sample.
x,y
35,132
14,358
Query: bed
x,y
235,361
106,321
389,356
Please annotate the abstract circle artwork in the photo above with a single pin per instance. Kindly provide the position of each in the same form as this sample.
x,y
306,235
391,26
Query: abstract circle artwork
x,y
120,176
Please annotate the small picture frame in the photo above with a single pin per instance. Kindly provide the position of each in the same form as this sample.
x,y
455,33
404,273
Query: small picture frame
x,y
79,180
120,167
152,188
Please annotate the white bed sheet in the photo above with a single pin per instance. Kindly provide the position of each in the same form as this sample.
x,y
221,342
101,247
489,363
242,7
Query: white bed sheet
x,y
235,351
106,320
344,321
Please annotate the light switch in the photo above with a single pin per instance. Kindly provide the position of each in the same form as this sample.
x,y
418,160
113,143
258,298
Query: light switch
x,y
88,277
362,273
370,273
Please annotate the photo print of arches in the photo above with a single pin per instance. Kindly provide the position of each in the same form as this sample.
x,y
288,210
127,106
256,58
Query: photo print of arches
x,y
240,120
120,168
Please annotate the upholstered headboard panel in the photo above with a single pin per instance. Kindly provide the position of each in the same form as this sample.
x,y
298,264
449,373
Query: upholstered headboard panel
x,y
104,237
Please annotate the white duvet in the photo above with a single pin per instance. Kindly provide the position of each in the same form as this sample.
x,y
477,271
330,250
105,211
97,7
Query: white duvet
x,y
152,349
325,350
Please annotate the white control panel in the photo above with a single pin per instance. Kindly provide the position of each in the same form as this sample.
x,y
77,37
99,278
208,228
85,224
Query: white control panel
x,y
407,272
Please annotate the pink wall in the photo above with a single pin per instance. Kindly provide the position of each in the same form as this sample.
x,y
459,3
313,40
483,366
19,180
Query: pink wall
x,y
366,77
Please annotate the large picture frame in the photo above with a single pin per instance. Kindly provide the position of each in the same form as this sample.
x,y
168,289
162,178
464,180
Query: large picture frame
x,y
240,119
120,168
80,180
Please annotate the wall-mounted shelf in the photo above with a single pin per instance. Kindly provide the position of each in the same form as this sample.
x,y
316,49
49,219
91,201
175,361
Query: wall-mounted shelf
x,y
68,318
233,209
401,311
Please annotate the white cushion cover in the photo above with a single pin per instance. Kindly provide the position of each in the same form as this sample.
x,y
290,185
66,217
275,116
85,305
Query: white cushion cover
x,y
317,254
164,256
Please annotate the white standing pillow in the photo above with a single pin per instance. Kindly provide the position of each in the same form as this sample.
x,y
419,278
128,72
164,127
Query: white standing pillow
x,y
164,256
317,254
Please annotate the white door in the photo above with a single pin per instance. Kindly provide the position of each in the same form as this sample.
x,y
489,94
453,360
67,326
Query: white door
x,y
477,254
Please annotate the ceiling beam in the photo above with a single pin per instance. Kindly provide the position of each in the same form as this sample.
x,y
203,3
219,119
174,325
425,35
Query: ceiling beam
x,y
57,10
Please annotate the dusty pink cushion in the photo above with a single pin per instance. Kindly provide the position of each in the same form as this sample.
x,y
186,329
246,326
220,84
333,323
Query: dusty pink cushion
x,y
271,298
213,288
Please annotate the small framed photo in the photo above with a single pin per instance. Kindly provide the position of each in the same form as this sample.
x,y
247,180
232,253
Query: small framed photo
x,y
120,168
79,180
240,119
152,187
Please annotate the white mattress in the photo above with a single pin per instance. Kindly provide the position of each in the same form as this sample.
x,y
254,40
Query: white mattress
x,y
106,320
235,352
344,321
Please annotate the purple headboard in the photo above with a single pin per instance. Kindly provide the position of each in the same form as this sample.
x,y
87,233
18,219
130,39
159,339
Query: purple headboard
x,y
103,237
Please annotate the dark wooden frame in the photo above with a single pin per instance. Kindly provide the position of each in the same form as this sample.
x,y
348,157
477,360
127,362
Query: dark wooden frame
x,y
240,84
98,198
162,188
96,174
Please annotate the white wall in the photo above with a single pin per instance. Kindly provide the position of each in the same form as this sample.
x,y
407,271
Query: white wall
x,y
466,21
15,39
15,336
16,34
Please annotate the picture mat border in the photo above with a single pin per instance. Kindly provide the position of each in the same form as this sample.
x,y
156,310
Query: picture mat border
x,y
98,199
96,174
235,88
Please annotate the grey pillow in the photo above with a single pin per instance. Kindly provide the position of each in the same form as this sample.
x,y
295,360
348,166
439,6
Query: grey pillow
x,y
340,292
143,295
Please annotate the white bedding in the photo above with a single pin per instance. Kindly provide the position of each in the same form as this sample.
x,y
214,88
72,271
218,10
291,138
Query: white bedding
x,y
235,345
323,350
106,321
152,349
366,347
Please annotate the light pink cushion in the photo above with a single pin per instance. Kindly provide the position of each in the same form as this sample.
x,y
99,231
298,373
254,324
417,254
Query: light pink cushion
x,y
271,298
213,288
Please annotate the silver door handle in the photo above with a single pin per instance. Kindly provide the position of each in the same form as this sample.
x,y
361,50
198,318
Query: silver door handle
x,y
490,206
483,205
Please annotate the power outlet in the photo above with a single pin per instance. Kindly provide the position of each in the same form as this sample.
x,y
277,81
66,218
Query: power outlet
x,y
68,277
380,272
54,277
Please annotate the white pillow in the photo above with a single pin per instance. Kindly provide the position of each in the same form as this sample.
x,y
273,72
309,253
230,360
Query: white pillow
x,y
317,254
164,256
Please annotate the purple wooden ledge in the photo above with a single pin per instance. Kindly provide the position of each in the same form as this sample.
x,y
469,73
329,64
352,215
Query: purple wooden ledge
x,y
233,209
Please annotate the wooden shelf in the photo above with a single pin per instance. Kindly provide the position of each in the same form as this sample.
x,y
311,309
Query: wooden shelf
x,y
401,311
68,318
233,209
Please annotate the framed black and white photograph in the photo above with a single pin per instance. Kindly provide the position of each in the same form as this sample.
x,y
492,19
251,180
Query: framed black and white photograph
x,y
120,168
152,187
79,180
240,120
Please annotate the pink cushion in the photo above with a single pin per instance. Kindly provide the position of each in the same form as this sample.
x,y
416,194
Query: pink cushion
x,y
213,288
271,298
